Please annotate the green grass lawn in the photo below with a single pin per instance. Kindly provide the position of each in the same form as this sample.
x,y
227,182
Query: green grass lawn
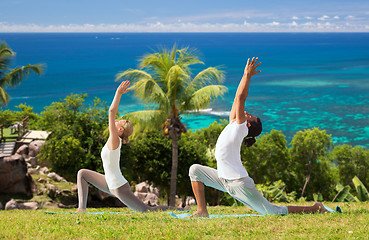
x,y
8,136
28,224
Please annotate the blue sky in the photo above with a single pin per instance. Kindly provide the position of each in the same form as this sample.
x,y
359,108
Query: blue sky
x,y
184,16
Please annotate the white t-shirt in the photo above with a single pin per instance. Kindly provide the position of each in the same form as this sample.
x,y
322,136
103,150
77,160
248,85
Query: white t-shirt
x,y
228,151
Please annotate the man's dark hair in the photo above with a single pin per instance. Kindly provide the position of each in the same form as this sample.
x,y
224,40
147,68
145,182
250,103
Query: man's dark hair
x,y
254,130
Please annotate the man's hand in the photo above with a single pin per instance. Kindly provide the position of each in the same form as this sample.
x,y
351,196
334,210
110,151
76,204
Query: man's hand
x,y
250,69
122,89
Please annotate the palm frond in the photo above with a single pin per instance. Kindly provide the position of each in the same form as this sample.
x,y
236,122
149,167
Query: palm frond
x,y
150,92
187,57
158,63
203,97
6,55
207,76
15,76
5,51
132,75
4,97
175,81
143,121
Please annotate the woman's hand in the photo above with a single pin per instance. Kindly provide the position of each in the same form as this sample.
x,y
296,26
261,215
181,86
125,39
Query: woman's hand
x,y
250,68
122,89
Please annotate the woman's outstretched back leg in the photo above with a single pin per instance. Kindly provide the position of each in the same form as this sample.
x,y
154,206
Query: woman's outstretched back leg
x,y
125,195
84,177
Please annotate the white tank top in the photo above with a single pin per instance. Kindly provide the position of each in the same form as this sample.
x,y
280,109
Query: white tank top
x,y
228,151
111,159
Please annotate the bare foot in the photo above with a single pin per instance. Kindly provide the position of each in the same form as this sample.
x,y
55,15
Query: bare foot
x,y
320,207
80,210
197,214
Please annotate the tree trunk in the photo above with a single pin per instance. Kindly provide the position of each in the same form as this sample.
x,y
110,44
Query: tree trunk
x,y
173,176
307,179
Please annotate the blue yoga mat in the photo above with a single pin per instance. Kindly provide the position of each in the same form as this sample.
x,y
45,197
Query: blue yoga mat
x,y
96,213
338,209
186,215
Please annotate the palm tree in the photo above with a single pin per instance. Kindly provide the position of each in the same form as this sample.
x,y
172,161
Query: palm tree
x,y
12,77
163,81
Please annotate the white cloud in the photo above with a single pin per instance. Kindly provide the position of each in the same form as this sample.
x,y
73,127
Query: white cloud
x,y
323,18
275,26
336,17
308,24
274,23
294,24
295,18
350,17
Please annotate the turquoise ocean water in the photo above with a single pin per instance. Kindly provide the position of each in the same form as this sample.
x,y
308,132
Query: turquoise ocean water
x,y
307,79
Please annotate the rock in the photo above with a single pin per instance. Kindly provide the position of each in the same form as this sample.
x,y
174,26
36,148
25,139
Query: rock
x,y
190,201
35,148
142,187
51,190
155,191
151,199
148,194
140,195
32,161
42,180
61,205
33,171
23,150
12,204
44,170
148,198
56,177
14,177
28,205
65,192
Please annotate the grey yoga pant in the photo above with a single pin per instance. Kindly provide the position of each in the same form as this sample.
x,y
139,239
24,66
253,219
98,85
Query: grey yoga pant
x,y
123,193
243,189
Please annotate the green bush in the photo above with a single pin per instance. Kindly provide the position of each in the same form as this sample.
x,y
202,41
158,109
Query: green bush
x,y
151,159
351,161
268,159
314,171
77,134
8,117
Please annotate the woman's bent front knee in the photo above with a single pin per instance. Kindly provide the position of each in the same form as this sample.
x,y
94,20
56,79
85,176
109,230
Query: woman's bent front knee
x,y
81,173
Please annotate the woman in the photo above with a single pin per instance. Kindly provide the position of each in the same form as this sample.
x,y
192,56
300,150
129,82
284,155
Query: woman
x,y
113,181
230,175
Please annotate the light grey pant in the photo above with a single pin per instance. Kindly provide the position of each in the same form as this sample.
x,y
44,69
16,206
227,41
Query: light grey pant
x,y
243,190
123,193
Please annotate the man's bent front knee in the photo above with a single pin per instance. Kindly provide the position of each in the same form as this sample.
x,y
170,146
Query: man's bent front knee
x,y
194,172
